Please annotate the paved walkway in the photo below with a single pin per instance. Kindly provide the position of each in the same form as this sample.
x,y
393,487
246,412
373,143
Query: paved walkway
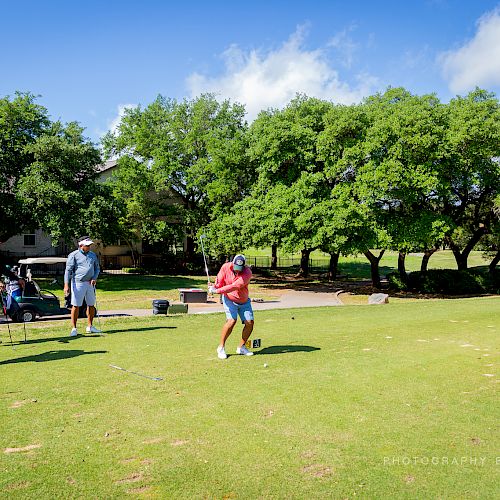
x,y
288,300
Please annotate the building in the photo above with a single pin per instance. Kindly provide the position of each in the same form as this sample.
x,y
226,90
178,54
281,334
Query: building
x,y
37,244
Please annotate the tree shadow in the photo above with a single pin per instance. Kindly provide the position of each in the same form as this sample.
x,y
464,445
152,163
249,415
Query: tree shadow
x,y
50,356
120,282
285,349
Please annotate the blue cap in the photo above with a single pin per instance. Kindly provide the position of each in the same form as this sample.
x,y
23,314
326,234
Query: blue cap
x,y
239,262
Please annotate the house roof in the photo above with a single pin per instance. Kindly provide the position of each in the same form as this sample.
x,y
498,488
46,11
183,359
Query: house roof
x,y
107,165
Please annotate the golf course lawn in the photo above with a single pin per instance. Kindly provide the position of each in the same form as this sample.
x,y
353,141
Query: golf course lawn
x,y
390,401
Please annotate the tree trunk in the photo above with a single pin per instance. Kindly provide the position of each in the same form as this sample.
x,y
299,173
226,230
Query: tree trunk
x,y
189,252
462,256
494,262
333,267
304,262
274,256
374,270
425,259
132,253
402,267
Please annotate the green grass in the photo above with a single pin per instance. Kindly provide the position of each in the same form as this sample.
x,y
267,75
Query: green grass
x,y
351,395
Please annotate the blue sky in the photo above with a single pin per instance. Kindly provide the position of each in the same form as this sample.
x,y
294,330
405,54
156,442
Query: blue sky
x,y
88,60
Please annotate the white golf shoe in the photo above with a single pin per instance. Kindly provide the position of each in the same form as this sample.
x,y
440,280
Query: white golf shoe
x,y
243,350
92,329
73,333
221,352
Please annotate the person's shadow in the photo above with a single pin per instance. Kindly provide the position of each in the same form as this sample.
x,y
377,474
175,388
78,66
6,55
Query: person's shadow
x,y
284,349
63,340
50,356
143,329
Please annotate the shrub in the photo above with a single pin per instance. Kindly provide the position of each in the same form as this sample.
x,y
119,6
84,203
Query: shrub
x,y
447,281
395,282
133,270
490,280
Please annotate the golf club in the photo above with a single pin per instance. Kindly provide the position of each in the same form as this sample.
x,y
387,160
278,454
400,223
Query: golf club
x,y
4,309
97,311
202,237
135,373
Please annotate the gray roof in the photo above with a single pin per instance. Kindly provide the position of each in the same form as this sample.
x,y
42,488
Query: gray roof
x,y
106,165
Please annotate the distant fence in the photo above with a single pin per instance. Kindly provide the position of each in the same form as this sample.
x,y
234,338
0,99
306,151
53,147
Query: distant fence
x,y
285,262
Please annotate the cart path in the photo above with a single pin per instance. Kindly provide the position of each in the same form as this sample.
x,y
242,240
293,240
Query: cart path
x,y
290,299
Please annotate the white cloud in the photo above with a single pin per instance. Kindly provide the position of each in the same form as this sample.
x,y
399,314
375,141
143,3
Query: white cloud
x,y
115,122
270,79
477,62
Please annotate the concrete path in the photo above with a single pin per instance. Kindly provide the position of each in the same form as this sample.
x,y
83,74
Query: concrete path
x,y
288,300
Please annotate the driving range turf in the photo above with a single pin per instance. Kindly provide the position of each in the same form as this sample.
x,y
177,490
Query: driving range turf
x,y
398,400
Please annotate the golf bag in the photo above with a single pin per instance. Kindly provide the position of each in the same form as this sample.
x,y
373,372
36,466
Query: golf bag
x,y
82,312
10,305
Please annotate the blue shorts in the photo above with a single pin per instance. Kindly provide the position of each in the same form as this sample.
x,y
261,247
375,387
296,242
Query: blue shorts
x,y
82,290
233,309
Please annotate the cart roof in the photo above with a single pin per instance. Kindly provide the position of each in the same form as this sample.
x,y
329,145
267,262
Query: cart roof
x,y
43,260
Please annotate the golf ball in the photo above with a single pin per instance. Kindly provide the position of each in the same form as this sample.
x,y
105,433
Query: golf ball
x,y
265,365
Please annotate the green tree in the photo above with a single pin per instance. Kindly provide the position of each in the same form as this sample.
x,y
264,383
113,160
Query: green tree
x,y
192,152
349,222
469,171
400,178
283,143
22,121
59,187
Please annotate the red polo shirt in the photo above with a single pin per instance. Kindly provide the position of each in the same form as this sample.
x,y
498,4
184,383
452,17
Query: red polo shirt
x,y
233,284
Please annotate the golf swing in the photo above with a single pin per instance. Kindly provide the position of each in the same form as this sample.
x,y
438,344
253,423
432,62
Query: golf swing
x,y
232,282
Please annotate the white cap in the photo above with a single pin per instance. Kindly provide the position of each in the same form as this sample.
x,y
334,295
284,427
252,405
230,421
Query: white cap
x,y
85,241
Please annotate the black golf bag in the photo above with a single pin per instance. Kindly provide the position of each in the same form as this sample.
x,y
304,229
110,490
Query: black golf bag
x,y
82,312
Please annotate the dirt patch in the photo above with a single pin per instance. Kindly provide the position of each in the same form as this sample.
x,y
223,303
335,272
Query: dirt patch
x,y
24,448
154,440
317,470
18,486
139,491
18,404
476,441
133,478
179,442
409,479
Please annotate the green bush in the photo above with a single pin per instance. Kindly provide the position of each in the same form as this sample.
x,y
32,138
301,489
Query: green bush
x,y
395,282
133,270
490,281
447,281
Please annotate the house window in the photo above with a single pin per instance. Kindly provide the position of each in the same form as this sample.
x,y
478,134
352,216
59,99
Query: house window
x,y
29,240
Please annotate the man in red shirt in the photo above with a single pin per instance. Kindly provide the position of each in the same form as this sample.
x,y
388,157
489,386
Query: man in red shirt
x,y
232,282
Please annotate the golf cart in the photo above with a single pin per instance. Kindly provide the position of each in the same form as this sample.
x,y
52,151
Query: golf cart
x,y
35,301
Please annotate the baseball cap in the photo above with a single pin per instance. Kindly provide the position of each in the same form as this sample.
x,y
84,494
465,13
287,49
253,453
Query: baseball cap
x,y
239,262
85,240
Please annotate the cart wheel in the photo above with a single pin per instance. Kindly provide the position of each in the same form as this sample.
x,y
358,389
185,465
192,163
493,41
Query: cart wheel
x,y
26,315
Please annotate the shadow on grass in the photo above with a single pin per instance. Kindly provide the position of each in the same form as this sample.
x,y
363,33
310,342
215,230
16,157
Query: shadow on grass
x,y
285,349
119,282
144,329
63,340
51,356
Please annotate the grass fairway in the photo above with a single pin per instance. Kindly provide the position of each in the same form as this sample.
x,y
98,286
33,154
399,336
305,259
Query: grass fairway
x,y
385,401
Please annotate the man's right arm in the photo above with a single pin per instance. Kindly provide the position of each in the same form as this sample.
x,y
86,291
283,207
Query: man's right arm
x,y
68,273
